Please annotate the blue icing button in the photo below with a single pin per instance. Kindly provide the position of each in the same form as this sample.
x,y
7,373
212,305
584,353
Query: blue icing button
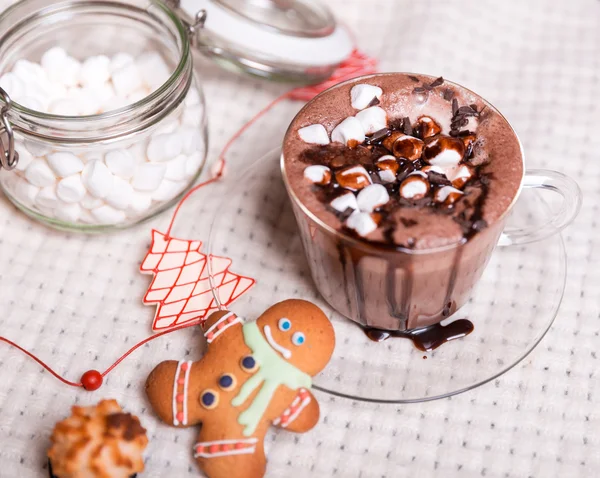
x,y
248,363
226,382
209,399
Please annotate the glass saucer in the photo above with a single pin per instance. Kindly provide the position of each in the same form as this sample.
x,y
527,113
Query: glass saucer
x,y
512,307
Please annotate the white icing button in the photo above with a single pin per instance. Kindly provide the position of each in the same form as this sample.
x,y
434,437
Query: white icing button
x,y
68,212
121,194
348,131
71,189
39,174
65,164
121,163
176,168
97,179
148,176
372,119
372,197
362,95
362,223
164,147
345,201
108,215
314,134
318,174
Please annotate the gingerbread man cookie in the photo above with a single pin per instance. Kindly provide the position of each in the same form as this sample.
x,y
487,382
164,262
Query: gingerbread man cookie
x,y
253,375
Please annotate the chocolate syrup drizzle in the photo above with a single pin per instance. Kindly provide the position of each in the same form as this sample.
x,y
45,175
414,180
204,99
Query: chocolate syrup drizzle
x,y
467,212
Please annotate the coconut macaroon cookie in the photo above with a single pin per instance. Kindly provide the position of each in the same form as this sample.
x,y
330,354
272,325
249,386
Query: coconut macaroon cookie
x,y
403,160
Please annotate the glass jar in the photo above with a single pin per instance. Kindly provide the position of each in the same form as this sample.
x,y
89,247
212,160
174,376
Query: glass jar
x,y
107,166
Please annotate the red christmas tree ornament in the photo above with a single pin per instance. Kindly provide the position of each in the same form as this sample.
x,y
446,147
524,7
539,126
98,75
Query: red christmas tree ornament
x,y
181,288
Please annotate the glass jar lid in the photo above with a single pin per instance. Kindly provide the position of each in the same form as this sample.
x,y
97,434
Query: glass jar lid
x,y
285,40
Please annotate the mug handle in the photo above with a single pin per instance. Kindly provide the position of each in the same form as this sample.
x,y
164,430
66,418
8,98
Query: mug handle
x,y
571,203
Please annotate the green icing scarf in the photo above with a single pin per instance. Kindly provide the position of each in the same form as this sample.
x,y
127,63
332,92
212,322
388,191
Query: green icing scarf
x,y
273,371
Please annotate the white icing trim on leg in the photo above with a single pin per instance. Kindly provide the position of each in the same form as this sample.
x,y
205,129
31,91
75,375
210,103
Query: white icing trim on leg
x,y
185,391
175,380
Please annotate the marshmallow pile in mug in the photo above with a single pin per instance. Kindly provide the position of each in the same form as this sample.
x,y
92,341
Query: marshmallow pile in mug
x,y
101,187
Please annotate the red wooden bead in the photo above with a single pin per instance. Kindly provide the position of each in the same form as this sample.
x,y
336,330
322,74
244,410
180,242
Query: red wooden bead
x,y
213,448
91,380
184,366
226,446
181,381
179,398
238,446
199,449
179,417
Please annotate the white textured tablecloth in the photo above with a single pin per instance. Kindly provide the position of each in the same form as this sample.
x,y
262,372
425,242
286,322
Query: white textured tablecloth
x,y
75,300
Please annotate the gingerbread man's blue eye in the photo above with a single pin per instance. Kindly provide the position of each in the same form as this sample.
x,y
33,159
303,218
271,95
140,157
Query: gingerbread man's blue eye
x,y
284,324
298,338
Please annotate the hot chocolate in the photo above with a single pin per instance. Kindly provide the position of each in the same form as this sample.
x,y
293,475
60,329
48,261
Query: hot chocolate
x,y
400,185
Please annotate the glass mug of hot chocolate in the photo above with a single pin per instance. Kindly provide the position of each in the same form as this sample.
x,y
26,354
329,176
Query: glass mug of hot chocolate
x,y
401,185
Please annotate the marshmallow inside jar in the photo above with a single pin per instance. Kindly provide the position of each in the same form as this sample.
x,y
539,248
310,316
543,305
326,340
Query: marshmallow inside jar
x,y
106,110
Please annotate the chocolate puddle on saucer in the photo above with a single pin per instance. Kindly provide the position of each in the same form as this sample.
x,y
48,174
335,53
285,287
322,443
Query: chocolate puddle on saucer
x,y
426,338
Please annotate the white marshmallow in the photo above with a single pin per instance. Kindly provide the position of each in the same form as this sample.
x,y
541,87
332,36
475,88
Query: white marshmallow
x,y
176,168
362,95
461,172
191,139
121,195
448,158
318,174
127,79
193,115
434,169
347,131
64,107
108,215
66,72
193,164
12,85
343,202
148,176
90,202
372,119
164,147
71,189
47,198
36,148
167,126
120,60
53,57
414,189
418,173
24,191
137,95
140,203
68,212
95,70
88,100
442,194
314,134
86,217
115,103
27,71
192,98
153,69
362,223
387,176
65,164
121,163
372,197
32,103
25,158
97,179
92,156
168,190
138,151
39,174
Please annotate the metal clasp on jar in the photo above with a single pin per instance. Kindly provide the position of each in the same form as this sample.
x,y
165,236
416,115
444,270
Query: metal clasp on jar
x,y
8,155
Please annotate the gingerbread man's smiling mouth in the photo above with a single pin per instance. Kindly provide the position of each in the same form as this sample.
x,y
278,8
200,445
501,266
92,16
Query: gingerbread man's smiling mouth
x,y
282,350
